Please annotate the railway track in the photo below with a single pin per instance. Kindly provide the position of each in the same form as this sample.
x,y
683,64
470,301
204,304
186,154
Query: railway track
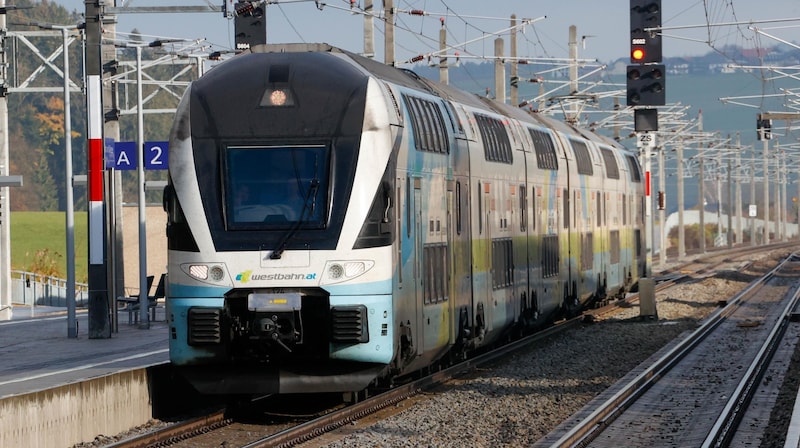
x,y
305,431
678,399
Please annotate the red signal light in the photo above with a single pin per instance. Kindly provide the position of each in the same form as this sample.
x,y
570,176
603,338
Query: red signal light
x,y
637,54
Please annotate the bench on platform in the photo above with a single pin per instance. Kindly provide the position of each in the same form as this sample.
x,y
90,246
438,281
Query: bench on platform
x,y
131,303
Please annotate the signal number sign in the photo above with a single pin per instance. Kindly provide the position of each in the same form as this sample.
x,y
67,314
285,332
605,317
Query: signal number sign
x,y
646,140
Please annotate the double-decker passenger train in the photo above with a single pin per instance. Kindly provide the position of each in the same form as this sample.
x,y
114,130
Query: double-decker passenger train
x,y
335,223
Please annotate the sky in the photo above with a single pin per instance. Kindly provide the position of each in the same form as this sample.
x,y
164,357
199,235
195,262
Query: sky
x,y
471,24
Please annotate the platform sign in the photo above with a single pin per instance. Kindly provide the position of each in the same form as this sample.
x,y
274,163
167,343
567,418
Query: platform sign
x,y
108,153
155,155
125,157
753,211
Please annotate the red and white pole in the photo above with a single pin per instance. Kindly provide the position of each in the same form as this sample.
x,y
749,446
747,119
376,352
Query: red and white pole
x,y
99,306
95,169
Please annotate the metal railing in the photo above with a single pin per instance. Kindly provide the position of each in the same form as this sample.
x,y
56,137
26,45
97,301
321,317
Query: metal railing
x,y
30,288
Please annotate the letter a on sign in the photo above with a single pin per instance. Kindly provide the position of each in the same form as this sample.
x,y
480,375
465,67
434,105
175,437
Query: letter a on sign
x,y
125,156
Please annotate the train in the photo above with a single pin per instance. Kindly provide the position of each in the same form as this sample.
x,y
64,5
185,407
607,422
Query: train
x,y
335,223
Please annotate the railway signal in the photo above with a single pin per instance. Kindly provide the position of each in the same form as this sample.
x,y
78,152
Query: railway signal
x,y
249,24
646,85
645,42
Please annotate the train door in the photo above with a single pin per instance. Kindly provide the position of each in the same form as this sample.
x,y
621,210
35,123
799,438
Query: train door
x,y
481,260
461,252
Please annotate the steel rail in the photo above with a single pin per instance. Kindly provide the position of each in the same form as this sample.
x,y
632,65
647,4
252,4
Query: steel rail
x,y
725,427
591,426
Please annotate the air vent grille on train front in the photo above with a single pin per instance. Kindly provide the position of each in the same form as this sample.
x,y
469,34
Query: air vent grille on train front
x,y
349,324
205,326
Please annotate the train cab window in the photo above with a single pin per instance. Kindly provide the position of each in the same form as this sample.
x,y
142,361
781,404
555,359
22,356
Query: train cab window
x,y
566,208
496,144
427,124
612,170
546,157
582,157
276,187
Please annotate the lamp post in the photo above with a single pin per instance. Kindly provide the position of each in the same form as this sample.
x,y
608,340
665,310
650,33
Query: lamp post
x,y
72,326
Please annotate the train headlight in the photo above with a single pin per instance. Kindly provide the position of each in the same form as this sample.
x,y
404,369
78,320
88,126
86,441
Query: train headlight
x,y
214,273
354,269
277,97
335,271
217,273
199,272
339,271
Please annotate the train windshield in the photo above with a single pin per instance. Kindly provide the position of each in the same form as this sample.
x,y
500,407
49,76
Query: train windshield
x,y
276,187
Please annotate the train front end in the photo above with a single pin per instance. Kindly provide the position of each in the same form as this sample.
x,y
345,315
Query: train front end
x,y
279,250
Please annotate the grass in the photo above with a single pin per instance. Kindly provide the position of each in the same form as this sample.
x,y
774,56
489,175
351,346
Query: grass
x,y
39,243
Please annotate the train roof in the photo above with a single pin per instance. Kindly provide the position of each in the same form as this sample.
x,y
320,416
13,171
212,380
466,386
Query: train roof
x,y
410,79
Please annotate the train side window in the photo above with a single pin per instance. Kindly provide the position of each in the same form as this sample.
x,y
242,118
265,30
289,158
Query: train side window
x,y
496,144
399,222
480,210
637,240
523,206
624,210
550,256
502,263
427,125
633,168
546,158
582,157
534,212
444,269
598,209
641,212
458,208
615,247
566,208
408,207
435,268
612,170
575,207
455,121
587,246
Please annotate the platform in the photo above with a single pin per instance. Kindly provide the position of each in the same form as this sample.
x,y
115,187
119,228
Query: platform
x,y
46,377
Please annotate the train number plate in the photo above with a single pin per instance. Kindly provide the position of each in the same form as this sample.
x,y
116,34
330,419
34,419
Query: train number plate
x,y
263,302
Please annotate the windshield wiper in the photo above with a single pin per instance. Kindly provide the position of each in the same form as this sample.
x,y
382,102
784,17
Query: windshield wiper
x,y
312,193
